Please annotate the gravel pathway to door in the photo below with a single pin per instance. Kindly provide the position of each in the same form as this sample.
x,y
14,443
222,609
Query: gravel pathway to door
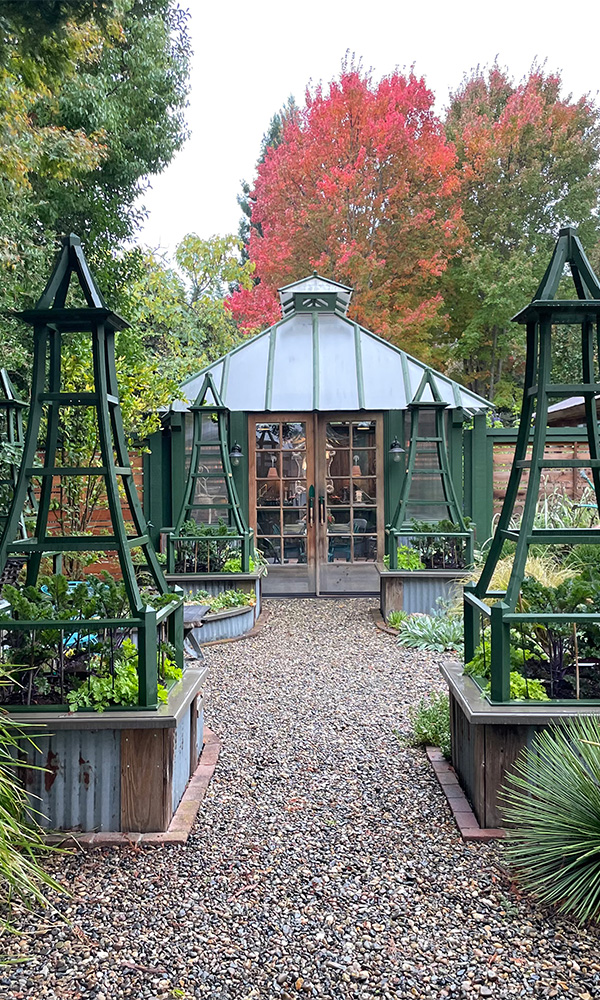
x,y
324,863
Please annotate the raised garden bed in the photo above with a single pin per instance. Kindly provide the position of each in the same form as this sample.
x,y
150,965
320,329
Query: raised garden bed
x,y
227,624
116,770
487,738
417,591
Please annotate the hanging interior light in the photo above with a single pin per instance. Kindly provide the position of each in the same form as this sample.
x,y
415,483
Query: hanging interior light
x,y
235,454
396,450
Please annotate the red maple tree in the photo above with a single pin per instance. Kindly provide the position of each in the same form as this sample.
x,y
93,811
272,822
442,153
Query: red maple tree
x,y
364,189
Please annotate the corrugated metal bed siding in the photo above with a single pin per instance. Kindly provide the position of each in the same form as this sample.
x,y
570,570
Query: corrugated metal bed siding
x,y
90,799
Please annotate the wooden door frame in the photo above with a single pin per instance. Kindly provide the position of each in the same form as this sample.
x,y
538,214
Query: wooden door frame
x,y
309,419
315,422
325,417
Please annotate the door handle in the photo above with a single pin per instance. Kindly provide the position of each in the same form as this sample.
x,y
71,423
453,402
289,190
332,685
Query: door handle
x,y
311,505
321,509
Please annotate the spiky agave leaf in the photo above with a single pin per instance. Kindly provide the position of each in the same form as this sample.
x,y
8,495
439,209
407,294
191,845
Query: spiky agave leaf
x,y
551,808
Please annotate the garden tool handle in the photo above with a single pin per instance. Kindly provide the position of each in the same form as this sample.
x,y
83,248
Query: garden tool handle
x,y
321,509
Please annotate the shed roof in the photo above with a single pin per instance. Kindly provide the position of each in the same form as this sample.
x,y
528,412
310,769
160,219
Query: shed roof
x,y
315,358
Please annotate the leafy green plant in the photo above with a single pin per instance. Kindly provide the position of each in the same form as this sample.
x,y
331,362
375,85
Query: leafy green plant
x,y
436,548
432,632
103,688
430,722
205,548
223,601
480,665
395,618
22,876
551,808
523,688
556,639
408,558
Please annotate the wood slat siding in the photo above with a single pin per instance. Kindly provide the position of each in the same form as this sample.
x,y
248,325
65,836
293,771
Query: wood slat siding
x,y
146,779
568,480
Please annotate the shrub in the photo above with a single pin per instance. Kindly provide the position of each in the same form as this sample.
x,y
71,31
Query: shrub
x,y
551,807
430,722
432,632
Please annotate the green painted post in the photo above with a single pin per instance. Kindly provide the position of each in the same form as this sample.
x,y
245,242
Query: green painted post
x,y
471,624
500,658
175,629
148,660
480,479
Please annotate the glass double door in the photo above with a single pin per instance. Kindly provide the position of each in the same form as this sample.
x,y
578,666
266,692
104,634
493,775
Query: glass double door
x,y
316,501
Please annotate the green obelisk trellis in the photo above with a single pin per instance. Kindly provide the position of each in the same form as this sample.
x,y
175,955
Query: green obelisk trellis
x,y
427,485
541,317
51,319
12,437
209,463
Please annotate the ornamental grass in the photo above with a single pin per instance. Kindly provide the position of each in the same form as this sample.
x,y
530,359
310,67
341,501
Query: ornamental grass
x,y
551,808
22,877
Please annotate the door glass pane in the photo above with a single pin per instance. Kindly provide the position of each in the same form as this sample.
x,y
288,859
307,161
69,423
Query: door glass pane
x,y
339,518
267,465
365,548
267,436
363,463
267,493
363,434
365,491
294,550
338,462
294,521
339,548
267,522
270,548
338,492
364,520
293,464
293,435
337,434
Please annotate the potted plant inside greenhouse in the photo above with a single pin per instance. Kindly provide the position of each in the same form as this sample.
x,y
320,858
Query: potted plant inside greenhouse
x,y
96,661
532,620
210,550
429,540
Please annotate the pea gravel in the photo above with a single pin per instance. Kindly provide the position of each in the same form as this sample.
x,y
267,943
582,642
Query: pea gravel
x,y
324,862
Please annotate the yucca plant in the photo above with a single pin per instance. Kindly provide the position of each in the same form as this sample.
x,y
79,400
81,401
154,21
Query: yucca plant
x,y
551,808
22,876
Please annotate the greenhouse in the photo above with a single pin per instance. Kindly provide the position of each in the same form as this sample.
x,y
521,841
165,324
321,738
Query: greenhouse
x,y
319,428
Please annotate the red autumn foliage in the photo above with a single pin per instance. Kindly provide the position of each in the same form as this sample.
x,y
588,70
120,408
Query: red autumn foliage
x,y
363,188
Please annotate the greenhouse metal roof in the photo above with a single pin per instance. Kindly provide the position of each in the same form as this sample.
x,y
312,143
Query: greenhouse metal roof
x,y
315,358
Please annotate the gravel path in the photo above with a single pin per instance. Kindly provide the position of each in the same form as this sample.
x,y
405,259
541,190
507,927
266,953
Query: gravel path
x,y
324,863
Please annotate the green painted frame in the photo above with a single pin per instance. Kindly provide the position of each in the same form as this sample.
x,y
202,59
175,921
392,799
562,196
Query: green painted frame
x,y
539,317
50,319
399,527
208,401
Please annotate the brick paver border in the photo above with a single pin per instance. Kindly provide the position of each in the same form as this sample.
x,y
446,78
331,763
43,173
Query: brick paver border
x,y
465,818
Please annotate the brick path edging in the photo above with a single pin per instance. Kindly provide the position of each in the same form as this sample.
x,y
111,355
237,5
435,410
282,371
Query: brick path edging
x,y
465,818
181,824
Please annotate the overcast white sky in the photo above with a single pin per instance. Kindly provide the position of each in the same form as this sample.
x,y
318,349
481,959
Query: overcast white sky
x,y
250,56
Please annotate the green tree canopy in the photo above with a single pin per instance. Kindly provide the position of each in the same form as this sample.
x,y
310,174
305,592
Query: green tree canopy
x,y
528,158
